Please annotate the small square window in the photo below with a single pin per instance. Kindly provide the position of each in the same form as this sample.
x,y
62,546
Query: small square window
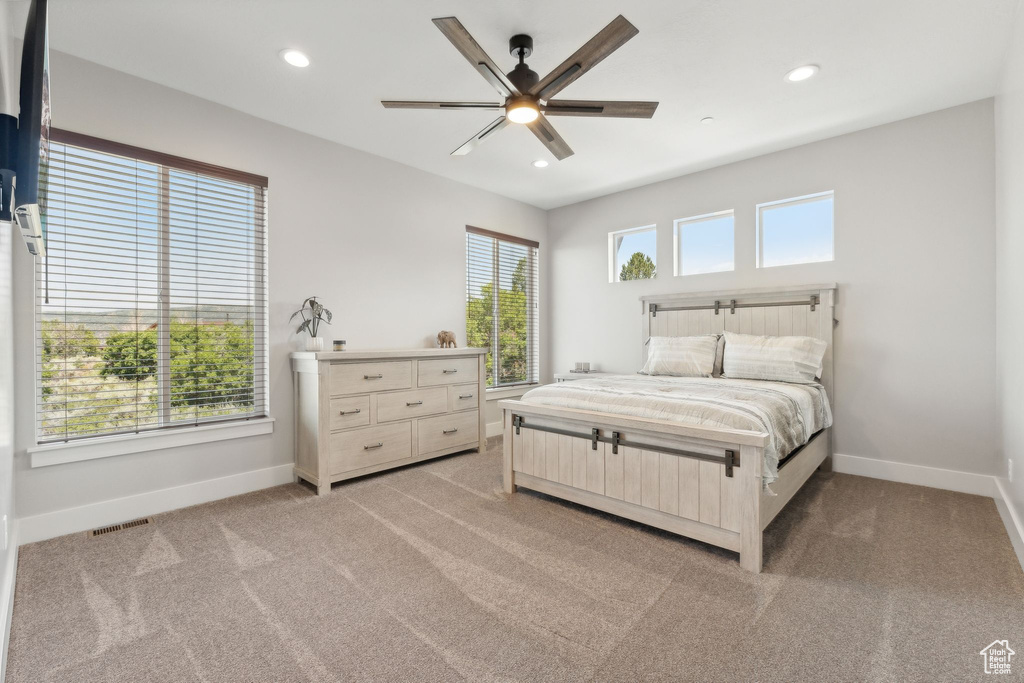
x,y
633,254
705,244
798,230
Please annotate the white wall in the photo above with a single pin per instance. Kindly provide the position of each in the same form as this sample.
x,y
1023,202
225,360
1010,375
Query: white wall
x,y
8,548
8,105
1009,270
915,253
382,244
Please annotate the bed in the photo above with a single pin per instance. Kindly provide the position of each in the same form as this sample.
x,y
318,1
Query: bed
x,y
710,459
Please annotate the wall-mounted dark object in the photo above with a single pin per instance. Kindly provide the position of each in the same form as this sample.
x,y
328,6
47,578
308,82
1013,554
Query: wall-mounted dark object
x,y
8,159
24,142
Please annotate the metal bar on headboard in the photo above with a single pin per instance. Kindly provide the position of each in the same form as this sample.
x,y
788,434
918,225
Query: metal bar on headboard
x,y
813,301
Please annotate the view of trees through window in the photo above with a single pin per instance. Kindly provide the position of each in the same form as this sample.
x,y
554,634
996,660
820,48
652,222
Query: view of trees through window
x,y
150,297
632,254
638,267
500,307
108,382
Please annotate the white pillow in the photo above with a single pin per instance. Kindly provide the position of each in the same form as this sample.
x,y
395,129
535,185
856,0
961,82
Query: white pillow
x,y
781,359
681,356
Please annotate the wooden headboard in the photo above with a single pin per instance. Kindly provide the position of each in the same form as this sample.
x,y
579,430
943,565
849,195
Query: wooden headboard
x,y
777,311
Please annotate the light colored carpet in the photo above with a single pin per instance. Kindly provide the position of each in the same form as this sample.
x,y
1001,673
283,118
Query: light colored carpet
x,y
431,573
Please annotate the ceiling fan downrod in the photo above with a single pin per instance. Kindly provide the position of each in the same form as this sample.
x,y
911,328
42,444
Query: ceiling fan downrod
x,y
522,76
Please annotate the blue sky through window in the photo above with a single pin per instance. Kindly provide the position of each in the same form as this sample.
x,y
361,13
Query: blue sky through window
x,y
705,244
796,232
628,243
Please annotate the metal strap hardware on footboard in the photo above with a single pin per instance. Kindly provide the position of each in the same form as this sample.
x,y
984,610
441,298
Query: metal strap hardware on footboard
x,y
718,305
729,460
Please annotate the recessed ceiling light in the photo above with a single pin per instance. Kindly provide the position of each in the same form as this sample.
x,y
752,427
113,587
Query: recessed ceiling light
x,y
707,120
540,163
295,58
802,73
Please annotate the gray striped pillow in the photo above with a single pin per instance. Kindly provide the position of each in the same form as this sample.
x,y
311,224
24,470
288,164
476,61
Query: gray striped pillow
x,y
681,356
781,359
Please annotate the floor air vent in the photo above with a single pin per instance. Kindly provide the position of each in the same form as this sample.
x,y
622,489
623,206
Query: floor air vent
x,y
119,527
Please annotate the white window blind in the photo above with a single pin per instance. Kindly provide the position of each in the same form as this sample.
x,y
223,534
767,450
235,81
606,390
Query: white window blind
x,y
501,305
151,299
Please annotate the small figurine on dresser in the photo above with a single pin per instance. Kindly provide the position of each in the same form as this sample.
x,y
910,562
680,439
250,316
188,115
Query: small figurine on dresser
x,y
446,339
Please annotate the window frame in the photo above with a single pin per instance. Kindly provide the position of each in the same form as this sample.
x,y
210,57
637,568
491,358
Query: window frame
x,y
795,201
693,220
532,303
614,267
168,433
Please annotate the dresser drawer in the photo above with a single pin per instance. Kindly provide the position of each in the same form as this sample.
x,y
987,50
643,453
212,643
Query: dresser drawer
x,y
362,378
402,405
463,397
448,431
442,371
350,412
370,446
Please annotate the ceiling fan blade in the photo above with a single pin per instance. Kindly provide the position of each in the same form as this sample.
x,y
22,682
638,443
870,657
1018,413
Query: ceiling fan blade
x,y
489,130
547,134
624,110
407,104
608,40
454,31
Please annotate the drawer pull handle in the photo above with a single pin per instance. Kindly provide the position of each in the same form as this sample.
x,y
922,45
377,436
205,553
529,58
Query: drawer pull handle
x,y
449,372
414,403
373,376
462,396
449,431
379,444
352,412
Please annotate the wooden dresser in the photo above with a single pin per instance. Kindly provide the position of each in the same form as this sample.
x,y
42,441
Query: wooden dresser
x,y
358,412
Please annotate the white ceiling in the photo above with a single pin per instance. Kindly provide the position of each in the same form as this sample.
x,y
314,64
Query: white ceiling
x,y
881,60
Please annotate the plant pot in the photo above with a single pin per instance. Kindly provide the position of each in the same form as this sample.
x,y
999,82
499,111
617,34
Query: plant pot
x,y
314,344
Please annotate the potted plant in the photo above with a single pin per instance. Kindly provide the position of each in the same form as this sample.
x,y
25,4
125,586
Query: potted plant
x,y
313,313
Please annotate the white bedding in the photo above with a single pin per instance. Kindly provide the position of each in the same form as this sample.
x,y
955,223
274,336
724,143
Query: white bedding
x,y
789,413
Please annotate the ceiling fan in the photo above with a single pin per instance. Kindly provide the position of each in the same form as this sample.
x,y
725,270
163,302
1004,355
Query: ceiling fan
x,y
527,97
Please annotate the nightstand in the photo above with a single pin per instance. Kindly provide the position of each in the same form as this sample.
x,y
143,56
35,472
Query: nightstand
x,y
570,376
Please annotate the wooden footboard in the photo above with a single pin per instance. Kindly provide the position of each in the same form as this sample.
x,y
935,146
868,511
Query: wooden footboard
x,y
697,482
555,451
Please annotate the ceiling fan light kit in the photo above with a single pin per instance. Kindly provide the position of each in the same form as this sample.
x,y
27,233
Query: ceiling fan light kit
x,y
527,97
522,110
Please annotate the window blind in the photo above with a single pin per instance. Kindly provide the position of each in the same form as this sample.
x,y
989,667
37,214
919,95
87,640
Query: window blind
x,y
501,305
151,298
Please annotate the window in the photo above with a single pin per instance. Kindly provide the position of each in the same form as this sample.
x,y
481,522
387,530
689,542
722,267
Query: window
x,y
704,244
151,297
501,305
632,254
794,231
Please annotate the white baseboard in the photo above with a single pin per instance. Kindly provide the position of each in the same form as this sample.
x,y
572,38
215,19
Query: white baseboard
x,y
1012,518
494,429
7,595
951,480
71,520
935,477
